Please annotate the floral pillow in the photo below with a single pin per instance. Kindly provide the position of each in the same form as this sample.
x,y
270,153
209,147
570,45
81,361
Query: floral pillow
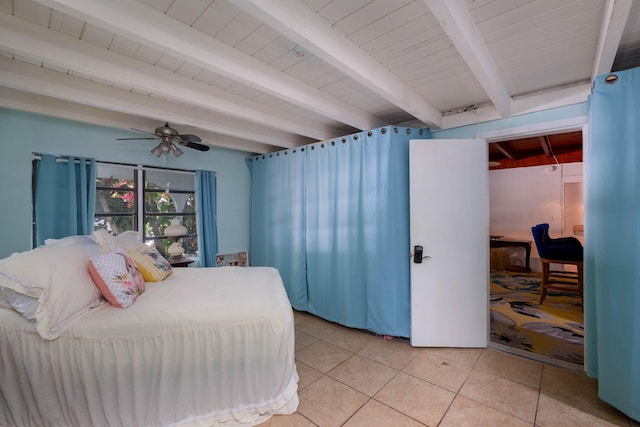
x,y
117,277
153,266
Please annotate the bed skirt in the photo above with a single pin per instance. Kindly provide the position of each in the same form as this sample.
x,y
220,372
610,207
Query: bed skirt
x,y
204,347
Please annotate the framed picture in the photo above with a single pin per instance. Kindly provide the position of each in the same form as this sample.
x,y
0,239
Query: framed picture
x,y
238,259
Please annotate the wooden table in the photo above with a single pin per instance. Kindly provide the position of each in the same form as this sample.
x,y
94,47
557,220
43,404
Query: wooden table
x,y
505,243
181,261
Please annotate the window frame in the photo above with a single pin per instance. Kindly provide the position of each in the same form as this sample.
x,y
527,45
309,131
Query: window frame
x,y
140,211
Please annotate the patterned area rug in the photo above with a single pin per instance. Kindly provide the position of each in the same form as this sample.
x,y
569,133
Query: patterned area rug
x,y
554,329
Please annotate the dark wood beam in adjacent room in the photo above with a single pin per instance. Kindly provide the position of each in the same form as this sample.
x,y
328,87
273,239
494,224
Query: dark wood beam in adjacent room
x,y
504,151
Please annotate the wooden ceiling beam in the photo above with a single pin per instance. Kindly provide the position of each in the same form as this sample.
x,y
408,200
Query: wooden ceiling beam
x,y
40,104
614,19
456,20
546,146
54,107
43,81
146,25
503,150
302,25
18,35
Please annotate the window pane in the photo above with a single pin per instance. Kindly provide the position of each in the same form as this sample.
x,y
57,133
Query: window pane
x,y
189,221
190,245
159,202
112,175
114,182
154,225
154,230
184,202
189,205
115,189
114,225
115,201
177,180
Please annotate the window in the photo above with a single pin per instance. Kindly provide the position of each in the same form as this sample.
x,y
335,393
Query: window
x,y
116,198
169,195
146,199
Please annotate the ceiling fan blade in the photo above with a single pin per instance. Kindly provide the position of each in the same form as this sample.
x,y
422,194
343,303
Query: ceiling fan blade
x,y
143,131
168,136
195,145
190,138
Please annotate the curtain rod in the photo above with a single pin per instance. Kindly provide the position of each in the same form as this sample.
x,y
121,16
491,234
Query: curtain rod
x,y
65,159
59,159
343,139
148,168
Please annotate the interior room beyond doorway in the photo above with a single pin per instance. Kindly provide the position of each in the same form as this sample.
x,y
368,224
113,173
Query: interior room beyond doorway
x,y
534,179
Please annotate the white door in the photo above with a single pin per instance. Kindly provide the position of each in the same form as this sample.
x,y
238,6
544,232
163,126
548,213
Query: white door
x,y
450,220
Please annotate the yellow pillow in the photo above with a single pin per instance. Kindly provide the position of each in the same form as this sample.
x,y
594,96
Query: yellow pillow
x,y
153,266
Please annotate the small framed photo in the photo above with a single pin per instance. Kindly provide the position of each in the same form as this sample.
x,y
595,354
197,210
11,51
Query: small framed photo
x,y
238,259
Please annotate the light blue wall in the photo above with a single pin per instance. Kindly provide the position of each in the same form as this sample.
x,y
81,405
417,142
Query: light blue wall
x,y
471,131
24,133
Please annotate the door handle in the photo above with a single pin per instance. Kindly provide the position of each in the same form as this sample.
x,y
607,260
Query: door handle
x,y
417,255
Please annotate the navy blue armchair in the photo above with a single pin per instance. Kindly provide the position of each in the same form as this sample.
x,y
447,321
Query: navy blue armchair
x,y
562,250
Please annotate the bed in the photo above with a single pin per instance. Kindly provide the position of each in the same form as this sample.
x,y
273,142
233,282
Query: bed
x,y
204,346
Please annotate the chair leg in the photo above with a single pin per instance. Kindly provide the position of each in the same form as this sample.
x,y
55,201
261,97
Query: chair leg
x,y
581,284
545,281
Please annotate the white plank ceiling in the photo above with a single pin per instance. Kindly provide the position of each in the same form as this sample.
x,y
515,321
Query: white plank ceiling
x,y
264,75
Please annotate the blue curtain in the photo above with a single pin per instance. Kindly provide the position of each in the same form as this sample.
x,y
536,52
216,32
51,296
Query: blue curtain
x,y
64,196
612,237
334,219
278,221
336,253
205,183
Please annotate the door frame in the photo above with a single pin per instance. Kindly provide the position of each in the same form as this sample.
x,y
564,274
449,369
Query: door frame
x,y
578,123
537,129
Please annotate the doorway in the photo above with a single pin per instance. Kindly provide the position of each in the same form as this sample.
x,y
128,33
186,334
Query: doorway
x,y
535,176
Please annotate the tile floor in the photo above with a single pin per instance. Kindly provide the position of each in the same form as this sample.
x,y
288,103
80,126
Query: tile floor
x,y
354,378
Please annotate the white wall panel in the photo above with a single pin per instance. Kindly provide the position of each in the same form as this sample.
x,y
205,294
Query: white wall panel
x,y
523,197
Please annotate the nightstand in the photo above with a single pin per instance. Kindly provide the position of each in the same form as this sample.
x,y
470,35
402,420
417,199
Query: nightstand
x,y
181,261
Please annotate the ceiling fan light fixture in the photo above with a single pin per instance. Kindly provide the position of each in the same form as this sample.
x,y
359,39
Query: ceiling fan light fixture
x,y
157,151
176,151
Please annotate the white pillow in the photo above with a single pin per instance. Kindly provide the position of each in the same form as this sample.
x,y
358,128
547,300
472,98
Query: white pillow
x,y
69,240
106,242
51,285
3,301
128,240
23,304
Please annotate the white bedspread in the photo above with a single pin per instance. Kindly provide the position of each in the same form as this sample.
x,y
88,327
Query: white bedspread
x,y
208,346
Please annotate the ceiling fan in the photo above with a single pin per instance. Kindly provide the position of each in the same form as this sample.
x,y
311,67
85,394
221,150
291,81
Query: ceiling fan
x,y
169,137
